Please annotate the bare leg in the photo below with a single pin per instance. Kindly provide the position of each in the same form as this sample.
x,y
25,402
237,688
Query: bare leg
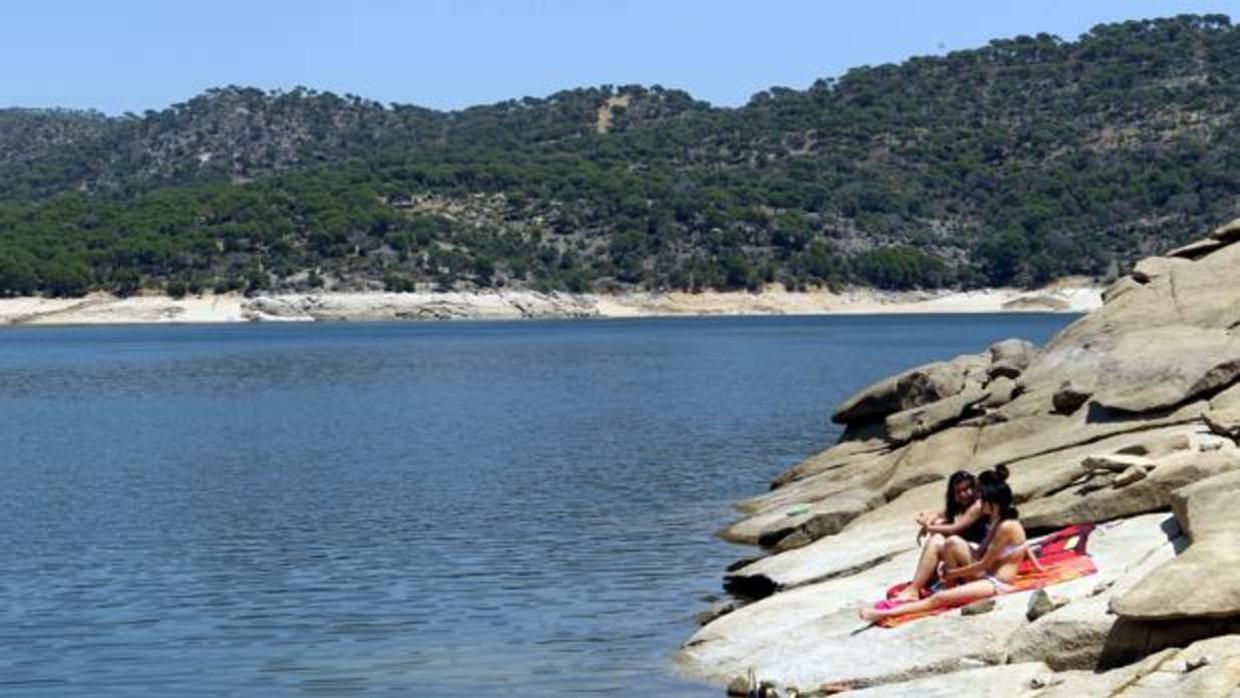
x,y
972,591
956,553
927,566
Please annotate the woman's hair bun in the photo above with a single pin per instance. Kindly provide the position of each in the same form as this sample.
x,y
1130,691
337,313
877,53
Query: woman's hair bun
x,y
1002,472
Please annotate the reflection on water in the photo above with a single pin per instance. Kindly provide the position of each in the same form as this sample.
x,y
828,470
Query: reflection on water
x,y
466,509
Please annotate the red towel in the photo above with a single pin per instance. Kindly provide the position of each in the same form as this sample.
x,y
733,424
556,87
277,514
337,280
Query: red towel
x,y
1061,554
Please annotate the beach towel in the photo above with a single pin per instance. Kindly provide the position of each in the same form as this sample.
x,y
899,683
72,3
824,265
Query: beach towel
x,y
1062,555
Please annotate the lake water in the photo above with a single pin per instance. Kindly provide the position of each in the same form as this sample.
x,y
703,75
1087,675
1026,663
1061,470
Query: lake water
x,y
452,509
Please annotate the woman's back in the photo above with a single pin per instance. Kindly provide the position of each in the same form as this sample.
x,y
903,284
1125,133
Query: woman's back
x,y
1013,545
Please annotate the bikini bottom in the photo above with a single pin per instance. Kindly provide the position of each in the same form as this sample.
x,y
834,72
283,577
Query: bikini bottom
x,y
1001,587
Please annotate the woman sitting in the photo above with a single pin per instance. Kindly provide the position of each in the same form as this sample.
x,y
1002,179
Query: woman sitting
x,y
1005,548
952,536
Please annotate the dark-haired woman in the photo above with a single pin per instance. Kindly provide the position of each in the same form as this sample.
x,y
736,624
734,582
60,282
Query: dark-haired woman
x,y
958,531
1006,547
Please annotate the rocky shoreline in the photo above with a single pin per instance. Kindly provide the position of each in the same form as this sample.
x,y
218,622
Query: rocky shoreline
x,y
1128,418
524,304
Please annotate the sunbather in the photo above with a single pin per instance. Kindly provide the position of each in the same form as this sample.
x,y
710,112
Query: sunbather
x,y
1006,547
953,535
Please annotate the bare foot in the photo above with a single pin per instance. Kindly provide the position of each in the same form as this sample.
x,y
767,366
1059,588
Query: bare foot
x,y
908,593
868,614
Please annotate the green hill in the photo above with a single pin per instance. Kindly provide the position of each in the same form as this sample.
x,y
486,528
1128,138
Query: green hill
x,y
1015,163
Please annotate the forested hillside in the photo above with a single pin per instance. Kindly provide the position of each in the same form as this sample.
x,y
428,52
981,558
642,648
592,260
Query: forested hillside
x,y
1015,163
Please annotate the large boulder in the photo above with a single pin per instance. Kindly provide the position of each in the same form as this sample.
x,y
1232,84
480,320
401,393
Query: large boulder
x,y
1044,454
1000,392
1010,357
919,421
1183,293
1223,416
1208,514
1161,367
914,388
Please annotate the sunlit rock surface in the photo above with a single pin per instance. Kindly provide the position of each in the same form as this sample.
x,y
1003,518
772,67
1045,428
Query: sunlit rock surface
x,y
1128,418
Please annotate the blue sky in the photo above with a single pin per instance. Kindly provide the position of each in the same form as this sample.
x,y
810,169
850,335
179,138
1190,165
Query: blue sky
x,y
132,55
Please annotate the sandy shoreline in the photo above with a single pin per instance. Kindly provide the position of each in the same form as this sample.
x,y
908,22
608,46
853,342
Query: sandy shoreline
x,y
513,305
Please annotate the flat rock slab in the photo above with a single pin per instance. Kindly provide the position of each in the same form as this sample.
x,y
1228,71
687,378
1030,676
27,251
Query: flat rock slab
x,y
816,519
872,538
1172,672
811,635
1228,232
1074,636
932,459
854,446
1224,422
869,474
1153,491
1042,475
1197,249
1000,681
833,556
1046,433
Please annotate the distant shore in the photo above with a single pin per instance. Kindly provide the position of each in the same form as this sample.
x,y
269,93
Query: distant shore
x,y
516,304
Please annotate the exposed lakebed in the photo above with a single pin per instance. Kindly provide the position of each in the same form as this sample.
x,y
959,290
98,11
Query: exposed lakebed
x,y
469,508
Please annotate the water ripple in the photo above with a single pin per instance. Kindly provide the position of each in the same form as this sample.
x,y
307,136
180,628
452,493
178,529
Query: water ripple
x,y
465,509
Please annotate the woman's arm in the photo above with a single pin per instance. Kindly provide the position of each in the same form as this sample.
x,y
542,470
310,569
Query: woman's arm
x,y
927,518
962,522
1000,539
1033,558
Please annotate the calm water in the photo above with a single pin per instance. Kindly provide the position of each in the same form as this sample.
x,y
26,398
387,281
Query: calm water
x,y
457,509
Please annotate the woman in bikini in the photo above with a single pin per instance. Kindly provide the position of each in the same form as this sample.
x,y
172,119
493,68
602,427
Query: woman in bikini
x,y
959,529
1006,547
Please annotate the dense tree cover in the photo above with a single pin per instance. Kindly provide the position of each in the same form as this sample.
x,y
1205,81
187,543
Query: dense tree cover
x,y
240,133
1016,163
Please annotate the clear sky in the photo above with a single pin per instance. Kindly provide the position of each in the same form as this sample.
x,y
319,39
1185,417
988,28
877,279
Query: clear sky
x,y
132,55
